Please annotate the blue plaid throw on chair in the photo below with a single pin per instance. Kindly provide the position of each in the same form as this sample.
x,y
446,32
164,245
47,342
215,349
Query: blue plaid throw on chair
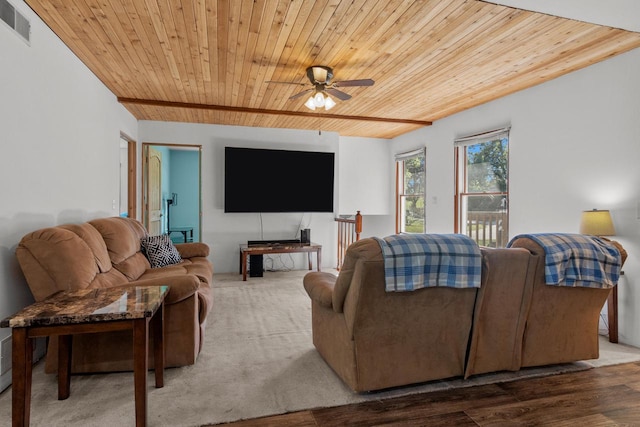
x,y
415,261
577,260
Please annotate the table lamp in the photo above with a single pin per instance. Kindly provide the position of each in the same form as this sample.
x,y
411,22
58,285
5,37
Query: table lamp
x,y
598,223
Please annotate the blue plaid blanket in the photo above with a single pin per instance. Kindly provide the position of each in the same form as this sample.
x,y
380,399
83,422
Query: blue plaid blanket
x,y
415,261
577,260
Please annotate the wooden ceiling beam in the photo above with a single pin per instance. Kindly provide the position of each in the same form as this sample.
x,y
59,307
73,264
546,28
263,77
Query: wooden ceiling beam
x,y
188,105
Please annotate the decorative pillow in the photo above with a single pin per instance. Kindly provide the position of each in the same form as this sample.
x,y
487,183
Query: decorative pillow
x,y
160,251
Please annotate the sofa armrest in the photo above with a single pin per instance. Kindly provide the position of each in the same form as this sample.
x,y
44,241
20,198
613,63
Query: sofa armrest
x,y
181,286
191,250
319,286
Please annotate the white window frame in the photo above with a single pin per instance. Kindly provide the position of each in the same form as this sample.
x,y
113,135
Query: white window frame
x,y
400,159
461,192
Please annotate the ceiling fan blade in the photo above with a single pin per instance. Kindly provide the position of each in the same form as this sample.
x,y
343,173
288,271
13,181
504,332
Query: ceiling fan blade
x,y
361,82
338,94
298,95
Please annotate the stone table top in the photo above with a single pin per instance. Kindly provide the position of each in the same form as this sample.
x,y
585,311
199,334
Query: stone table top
x,y
90,305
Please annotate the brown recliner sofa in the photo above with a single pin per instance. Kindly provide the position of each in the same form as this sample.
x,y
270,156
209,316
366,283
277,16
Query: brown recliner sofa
x,y
107,252
375,339
564,321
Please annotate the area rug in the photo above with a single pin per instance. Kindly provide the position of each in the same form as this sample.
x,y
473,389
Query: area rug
x,y
258,359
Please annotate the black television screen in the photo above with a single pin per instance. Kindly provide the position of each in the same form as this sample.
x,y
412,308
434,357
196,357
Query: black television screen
x,y
265,180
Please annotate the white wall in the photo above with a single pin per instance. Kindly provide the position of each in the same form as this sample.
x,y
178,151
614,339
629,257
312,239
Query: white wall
x,y
364,171
60,148
223,232
574,145
364,168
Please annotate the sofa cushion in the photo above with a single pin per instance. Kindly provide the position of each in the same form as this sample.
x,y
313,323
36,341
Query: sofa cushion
x,y
94,240
122,237
111,278
181,286
193,249
134,266
160,251
55,259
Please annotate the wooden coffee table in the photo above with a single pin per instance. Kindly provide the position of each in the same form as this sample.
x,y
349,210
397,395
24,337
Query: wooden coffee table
x,y
284,248
136,308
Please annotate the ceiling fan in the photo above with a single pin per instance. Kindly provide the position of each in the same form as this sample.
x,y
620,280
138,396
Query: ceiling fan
x,y
321,77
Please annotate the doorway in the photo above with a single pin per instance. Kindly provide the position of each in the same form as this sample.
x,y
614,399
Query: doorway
x,y
171,187
127,190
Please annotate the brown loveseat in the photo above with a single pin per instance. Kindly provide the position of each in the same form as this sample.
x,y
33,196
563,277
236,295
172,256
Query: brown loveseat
x,y
375,339
105,253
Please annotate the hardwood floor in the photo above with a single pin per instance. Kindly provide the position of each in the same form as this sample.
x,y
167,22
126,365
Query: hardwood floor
x,y
607,396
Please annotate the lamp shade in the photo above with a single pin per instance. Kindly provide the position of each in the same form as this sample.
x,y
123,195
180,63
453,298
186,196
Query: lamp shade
x,y
329,103
318,99
597,223
310,104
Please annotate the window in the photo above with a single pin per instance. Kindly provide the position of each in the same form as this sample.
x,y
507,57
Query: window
x,y
411,191
482,187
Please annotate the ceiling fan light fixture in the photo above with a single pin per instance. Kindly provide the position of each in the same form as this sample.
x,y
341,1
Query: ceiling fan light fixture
x,y
310,104
329,103
318,99
320,77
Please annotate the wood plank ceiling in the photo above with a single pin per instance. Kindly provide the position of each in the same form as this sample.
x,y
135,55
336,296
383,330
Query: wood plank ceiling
x,y
207,61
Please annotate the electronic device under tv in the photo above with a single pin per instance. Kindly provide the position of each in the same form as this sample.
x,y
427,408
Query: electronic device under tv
x,y
267,180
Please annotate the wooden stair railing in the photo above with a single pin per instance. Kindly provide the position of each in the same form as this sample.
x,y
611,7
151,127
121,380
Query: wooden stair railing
x,y
349,230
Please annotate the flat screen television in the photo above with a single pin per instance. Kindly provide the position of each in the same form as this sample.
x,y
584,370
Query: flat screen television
x,y
266,180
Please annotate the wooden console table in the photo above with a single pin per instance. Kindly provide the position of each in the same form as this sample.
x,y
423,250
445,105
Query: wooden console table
x,y
136,308
246,250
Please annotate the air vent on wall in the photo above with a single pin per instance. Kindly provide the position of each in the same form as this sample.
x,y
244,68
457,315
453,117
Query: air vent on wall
x,y
15,20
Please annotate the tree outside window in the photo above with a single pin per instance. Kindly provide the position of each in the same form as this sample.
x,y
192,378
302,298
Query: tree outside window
x,y
482,190
411,191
